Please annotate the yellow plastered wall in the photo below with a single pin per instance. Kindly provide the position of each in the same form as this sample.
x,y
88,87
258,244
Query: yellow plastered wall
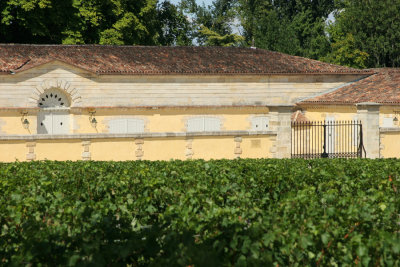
x,y
390,145
163,120
11,123
390,112
13,150
168,120
257,147
164,148
213,147
112,149
58,149
338,112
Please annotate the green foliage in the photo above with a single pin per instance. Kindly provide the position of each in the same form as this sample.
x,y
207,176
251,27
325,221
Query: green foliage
x,y
293,27
115,22
213,25
215,39
366,33
217,213
345,52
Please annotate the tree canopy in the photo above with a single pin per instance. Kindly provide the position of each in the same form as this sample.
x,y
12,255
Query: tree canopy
x,y
144,22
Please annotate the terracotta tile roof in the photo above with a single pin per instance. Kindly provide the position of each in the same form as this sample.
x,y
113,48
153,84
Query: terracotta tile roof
x,y
163,60
298,116
382,87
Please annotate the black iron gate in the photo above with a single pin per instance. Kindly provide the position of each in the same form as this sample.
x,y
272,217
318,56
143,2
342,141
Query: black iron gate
x,y
327,139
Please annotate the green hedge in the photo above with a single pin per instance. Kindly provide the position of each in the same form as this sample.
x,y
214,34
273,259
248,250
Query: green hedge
x,y
215,213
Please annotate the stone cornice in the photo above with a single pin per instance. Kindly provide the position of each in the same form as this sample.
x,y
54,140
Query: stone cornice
x,y
138,135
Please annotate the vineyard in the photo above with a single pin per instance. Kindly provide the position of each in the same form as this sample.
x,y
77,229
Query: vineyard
x,y
216,213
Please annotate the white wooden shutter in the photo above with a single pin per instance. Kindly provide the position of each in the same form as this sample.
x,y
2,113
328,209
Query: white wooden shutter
x,y
387,122
53,122
264,123
260,123
212,124
44,122
60,124
118,126
135,126
122,126
195,124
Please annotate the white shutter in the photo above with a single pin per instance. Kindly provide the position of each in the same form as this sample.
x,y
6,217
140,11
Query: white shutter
x,y
388,122
195,125
264,123
123,126
53,122
212,124
118,126
135,126
60,122
260,123
44,122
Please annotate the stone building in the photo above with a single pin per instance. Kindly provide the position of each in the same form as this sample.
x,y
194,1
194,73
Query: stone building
x,y
93,102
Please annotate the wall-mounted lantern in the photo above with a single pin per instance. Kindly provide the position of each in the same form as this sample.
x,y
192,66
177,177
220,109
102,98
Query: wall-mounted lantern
x,y
24,120
92,119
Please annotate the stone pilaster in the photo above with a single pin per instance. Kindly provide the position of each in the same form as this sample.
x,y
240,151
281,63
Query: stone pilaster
x,y
238,149
86,155
31,151
139,148
281,123
189,148
368,113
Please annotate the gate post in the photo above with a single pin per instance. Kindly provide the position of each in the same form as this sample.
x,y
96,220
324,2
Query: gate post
x,y
368,113
324,154
281,115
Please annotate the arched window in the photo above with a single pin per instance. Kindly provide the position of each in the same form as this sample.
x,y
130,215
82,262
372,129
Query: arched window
x,y
53,98
53,117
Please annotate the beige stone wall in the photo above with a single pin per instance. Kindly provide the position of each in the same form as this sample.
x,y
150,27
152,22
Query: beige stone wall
x,y
87,89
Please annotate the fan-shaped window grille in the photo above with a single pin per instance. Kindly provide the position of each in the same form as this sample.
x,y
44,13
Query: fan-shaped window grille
x,y
53,98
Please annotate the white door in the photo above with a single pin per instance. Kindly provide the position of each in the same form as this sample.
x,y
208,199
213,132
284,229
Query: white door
x,y
60,122
53,122
330,135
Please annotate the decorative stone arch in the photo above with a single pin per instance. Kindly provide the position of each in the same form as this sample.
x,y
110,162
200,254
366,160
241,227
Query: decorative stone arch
x,y
54,98
55,84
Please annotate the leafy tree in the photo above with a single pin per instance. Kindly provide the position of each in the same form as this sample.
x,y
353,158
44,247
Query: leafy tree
x,y
296,27
215,39
92,21
174,27
366,34
213,24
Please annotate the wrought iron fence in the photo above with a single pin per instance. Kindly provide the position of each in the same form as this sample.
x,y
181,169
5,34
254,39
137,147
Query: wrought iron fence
x,y
327,139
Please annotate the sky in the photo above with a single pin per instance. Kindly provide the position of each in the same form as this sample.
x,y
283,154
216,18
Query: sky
x,y
207,2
